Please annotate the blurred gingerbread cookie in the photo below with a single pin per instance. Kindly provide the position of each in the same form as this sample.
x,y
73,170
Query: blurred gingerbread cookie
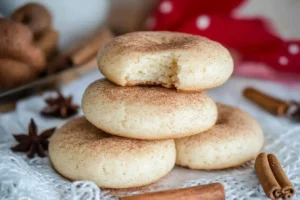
x,y
35,16
18,54
39,20
14,73
16,42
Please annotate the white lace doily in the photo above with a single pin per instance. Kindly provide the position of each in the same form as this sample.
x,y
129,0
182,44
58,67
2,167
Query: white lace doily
x,y
29,179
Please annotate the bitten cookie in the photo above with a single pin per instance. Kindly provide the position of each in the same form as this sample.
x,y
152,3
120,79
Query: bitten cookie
x,y
234,140
80,151
186,62
147,112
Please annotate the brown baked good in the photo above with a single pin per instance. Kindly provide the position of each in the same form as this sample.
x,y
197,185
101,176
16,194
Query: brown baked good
x,y
16,43
14,73
35,16
20,60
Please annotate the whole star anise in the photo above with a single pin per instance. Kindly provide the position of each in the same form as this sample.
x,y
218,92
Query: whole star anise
x,y
60,107
33,143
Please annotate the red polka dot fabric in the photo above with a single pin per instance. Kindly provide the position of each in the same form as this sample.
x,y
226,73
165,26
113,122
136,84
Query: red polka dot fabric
x,y
252,38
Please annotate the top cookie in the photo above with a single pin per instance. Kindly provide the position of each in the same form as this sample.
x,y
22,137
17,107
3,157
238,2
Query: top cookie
x,y
173,60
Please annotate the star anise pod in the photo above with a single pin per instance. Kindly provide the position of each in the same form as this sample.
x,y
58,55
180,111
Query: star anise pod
x,y
33,143
60,107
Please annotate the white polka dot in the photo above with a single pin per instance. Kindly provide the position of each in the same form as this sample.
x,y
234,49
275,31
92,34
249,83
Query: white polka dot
x,y
150,22
293,49
283,60
203,22
166,7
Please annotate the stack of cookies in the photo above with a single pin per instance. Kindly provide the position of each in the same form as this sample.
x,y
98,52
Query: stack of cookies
x,y
153,94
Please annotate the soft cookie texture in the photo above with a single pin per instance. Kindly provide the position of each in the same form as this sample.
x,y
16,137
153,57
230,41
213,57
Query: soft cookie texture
x,y
147,112
234,140
183,61
80,151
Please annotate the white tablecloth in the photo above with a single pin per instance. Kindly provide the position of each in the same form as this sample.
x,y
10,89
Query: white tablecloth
x,y
28,179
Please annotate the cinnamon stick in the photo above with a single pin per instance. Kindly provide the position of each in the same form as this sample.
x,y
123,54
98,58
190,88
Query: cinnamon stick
x,y
81,54
48,43
272,177
286,185
267,102
214,191
266,178
90,49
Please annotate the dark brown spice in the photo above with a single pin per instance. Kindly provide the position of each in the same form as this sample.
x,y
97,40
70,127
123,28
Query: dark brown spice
x,y
59,63
295,114
274,105
60,107
33,143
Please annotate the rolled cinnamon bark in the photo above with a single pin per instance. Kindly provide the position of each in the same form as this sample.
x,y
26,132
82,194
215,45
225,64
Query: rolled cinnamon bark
x,y
81,54
272,177
214,191
287,188
266,178
268,103
90,48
